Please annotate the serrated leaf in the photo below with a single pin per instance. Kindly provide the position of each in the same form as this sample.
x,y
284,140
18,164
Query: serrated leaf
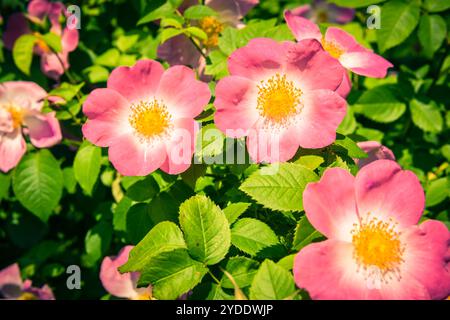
x,y
272,282
172,274
23,52
206,229
87,165
426,116
432,32
252,236
38,183
398,20
310,161
242,269
165,236
234,210
304,234
282,190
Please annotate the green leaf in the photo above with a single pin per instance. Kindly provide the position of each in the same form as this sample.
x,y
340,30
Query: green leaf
x,y
23,52
437,192
38,183
304,234
210,142
143,190
398,19
97,242
355,3
165,236
66,91
432,32
199,12
172,22
380,104
216,293
96,74
5,182
287,262
109,58
279,189
348,125
252,236
196,32
272,282
234,210
69,180
87,165
242,269
168,33
352,148
138,222
172,274
436,5
310,161
126,42
161,12
206,229
53,41
426,116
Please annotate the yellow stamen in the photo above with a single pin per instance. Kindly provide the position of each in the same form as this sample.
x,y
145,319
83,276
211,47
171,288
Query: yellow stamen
x,y
212,28
144,296
149,119
332,48
16,114
377,244
278,99
27,296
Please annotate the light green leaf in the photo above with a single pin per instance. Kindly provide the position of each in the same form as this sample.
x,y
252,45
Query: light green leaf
x,y
398,19
66,91
242,269
380,104
210,142
199,12
23,52
97,242
432,32
310,161
143,190
234,210
355,3
352,148
287,262
206,229
87,165
437,192
168,33
272,282
304,234
109,58
279,188
53,41
172,274
69,180
436,5
165,236
126,42
426,116
161,12
251,236
38,183
196,32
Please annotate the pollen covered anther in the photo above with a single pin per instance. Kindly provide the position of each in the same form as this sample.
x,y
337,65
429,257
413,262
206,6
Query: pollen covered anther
x,y
278,99
149,119
332,48
212,28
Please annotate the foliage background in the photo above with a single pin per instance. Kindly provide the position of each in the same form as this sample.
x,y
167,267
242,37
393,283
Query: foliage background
x,y
82,210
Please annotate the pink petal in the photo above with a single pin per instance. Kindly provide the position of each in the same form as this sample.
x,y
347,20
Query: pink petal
x,y
12,149
131,157
52,66
39,8
302,28
386,191
345,87
302,11
376,151
24,94
323,111
179,50
231,11
343,39
44,129
235,106
271,146
182,93
6,121
366,63
259,59
181,146
139,82
11,276
117,284
330,204
427,258
69,39
328,271
312,67
17,25
107,113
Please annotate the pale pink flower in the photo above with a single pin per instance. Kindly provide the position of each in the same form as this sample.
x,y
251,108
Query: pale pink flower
x,y
146,117
281,96
20,113
52,65
13,288
320,11
375,249
122,285
375,151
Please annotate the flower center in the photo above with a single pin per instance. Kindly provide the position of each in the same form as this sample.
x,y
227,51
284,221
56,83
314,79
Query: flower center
x,y
332,48
278,99
212,28
16,114
27,296
377,244
149,119
144,296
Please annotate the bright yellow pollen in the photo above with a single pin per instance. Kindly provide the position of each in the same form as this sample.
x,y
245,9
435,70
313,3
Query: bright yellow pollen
x,y
212,28
332,48
27,296
278,99
144,296
377,244
149,119
16,115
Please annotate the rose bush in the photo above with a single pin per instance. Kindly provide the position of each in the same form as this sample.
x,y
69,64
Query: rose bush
x,y
225,149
